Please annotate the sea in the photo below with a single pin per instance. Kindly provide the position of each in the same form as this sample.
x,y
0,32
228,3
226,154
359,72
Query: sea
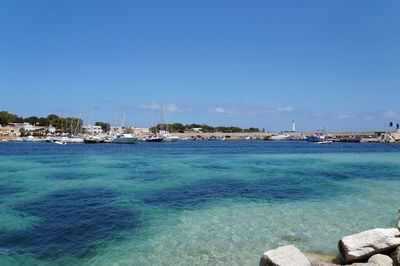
x,y
189,202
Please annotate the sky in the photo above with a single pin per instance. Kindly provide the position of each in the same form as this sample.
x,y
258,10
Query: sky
x,y
332,64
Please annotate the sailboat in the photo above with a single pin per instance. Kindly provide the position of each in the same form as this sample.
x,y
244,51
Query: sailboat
x,y
162,135
124,138
167,136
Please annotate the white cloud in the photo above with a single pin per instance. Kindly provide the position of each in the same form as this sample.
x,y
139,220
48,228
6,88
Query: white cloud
x,y
369,117
222,110
286,109
391,114
265,110
342,116
170,107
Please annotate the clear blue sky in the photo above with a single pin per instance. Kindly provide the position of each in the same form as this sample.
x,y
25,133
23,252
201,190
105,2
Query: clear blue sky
x,y
246,63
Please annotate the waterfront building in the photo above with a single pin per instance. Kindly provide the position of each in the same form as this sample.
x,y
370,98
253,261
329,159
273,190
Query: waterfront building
x,y
92,129
8,131
139,130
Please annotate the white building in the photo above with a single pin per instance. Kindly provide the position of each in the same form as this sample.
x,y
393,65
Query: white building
x,y
91,129
25,126
197,129
139,130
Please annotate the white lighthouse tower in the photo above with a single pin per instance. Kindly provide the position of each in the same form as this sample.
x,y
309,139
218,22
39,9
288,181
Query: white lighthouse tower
x,y
293,126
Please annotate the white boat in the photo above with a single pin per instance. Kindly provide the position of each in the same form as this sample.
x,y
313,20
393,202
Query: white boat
x,y
280,137
164,134
325,142
124,139
316,138
320,136
170,138
72,140
59,142
30,139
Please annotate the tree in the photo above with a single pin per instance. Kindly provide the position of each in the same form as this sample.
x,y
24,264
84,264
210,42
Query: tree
x,y
6,118
104,126
251,130
54,120
22,132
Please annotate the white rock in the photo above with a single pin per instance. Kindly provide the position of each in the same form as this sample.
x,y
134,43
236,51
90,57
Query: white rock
x,y
380,260
365,244
284,256
376,260
396,257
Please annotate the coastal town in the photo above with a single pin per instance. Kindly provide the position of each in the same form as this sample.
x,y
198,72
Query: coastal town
x,y
61,130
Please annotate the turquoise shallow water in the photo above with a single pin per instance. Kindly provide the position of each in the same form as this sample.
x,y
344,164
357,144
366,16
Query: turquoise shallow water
x,y
189,203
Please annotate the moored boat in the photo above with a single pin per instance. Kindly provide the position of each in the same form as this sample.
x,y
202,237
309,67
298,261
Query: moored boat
x,y
154,138
93,140
325,142
59,142
124,139
170,138
280,137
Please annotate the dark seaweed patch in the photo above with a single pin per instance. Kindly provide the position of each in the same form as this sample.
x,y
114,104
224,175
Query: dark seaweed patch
x,y
9,169
209,166
71,176
141,163
285,162
150,175
120,165
216,167
71,222
8,190
60,161
356,170
193,194
371,170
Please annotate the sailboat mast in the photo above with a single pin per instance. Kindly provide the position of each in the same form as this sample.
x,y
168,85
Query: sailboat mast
x,y
164,116
123,119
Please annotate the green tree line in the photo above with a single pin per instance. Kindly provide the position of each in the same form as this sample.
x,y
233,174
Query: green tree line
x,y
180,128
65,124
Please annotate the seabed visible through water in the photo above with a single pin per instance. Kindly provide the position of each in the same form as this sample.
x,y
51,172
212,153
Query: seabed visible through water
x,y
192,202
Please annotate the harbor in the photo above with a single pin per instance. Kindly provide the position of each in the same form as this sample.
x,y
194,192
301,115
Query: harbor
x,y
72,130
131,136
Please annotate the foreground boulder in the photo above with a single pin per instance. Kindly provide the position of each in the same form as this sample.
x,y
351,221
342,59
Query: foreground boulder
x,y
363,245
396,257
376,260
380,260
284,256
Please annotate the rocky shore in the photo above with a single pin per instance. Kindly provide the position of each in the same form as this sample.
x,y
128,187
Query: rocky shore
x,y
375,247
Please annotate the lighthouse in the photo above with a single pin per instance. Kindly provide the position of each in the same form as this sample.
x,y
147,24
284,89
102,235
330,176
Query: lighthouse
x,y
293,126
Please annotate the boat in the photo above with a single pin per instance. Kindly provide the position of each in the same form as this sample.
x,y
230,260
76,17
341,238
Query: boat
x,y
93,140
318,136
124,139
30,139
154,138
324,142
165,134
170,138
72,140
59,142
280,137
